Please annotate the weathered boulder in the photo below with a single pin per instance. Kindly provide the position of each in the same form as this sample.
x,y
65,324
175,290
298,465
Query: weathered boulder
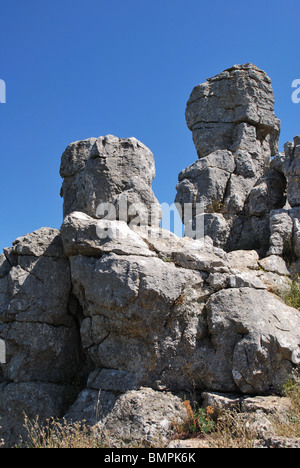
x,y
258,415
110,176
91,406
233,109
285,234
142,418
253,345
274,264
269,405
37,290
82,234
267,194
281,229
133,319
285,223
206,180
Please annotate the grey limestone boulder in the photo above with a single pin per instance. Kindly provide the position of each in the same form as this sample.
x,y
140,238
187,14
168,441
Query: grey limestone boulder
x,y
110,170
82,234
40,334
133,318
142,418
232,108
35,400
284,233
251,328
206,180
91,406
257,414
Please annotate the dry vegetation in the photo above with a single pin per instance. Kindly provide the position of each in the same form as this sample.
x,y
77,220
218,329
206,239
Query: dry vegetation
x,y
229,430
292,427
59,434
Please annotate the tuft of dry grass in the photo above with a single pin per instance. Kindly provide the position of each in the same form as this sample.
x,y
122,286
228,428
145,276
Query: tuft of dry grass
x,y
291,428
59,434
232,431
64,434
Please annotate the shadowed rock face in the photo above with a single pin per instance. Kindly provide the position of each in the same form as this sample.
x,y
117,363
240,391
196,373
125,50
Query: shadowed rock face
x,y
291,170
285,223
39,326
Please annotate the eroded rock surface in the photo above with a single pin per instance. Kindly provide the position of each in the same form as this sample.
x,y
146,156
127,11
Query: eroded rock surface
x,y
235,132
232,109
184,310
112,171
113,321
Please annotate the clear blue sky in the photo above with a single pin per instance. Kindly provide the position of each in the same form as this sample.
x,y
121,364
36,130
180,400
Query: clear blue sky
x,y
81,68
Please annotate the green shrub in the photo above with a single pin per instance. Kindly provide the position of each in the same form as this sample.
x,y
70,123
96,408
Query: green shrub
x,y
201,422
197,422
291,295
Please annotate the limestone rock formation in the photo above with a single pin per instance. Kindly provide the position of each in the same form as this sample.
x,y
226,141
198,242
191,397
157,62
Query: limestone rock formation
x,y
166,313
113,321
250,192
235,133
147,309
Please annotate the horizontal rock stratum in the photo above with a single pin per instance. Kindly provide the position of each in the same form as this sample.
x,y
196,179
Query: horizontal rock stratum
x,y
113,322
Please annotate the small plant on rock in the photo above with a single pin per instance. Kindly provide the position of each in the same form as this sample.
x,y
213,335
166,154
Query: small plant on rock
x,y
198,421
